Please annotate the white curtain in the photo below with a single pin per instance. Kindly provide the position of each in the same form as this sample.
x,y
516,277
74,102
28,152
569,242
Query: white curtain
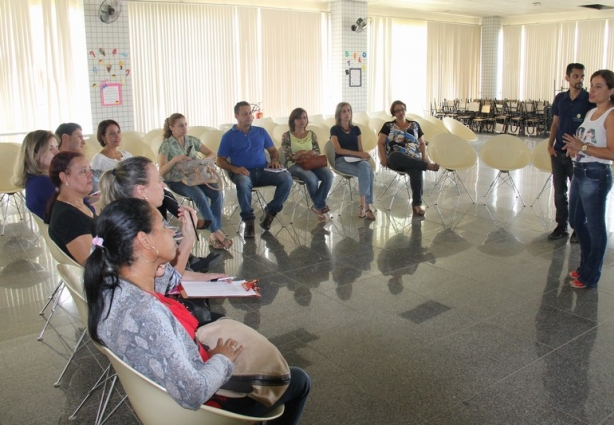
x,y
510,87
540,57
609,56
202,59
590,42
397,66
43,68
291,55
380,58
453,61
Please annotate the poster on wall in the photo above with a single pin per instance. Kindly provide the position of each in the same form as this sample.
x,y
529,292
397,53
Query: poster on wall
x,y
111,94
355,77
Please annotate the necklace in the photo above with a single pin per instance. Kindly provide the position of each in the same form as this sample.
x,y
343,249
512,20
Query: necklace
x,y
80,208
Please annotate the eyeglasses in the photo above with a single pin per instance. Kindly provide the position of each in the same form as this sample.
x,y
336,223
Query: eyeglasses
x,y
396,111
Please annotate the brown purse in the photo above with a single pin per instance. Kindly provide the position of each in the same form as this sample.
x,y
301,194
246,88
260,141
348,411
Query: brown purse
x,y
312,162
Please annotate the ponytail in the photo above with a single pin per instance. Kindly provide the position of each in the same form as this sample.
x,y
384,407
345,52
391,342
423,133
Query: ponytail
x,y
170,121
113,248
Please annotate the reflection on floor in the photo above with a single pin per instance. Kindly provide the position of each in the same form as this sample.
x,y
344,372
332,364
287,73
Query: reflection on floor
x,y
465,317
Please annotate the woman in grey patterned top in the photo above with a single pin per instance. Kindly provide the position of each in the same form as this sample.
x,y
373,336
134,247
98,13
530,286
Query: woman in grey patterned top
x,y
127,316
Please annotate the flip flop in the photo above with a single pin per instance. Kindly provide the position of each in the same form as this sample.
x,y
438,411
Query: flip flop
x,y
321,217
419,211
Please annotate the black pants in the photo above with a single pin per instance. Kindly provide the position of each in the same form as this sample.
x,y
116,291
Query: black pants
x,y
294,400
562,170
169,204
398,161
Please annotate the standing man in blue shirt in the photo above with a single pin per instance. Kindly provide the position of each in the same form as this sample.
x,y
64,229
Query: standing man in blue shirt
x,y
241,153
568,111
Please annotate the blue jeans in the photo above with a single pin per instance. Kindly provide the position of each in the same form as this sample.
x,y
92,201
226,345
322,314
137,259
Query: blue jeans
x,y
590,186
311,178
362,170
294,400
259,177
199,195
562,171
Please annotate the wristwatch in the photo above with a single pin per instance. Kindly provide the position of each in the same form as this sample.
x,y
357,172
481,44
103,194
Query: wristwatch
x,y
585,147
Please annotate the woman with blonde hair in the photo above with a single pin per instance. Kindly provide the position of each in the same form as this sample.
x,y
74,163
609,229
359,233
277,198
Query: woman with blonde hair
x,y
32,169
179,147
351,159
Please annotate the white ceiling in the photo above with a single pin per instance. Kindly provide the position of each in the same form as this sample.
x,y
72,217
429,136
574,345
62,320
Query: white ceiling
x,y
484,8
469,8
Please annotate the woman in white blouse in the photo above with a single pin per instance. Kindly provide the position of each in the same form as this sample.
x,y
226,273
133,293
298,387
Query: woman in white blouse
x,y
109,136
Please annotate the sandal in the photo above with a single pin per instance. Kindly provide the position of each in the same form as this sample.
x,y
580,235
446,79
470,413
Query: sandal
x,y
218,244
325,209
361,212
369,214
321,217
419,211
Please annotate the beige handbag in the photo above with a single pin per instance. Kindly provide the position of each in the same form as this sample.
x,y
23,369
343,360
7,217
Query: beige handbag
x,y
201,171
261,372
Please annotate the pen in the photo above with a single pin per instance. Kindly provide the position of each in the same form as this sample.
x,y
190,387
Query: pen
x,y
193,225
222,278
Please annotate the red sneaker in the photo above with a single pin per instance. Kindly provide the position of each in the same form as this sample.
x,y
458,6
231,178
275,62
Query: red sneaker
x,y
577,284
574,274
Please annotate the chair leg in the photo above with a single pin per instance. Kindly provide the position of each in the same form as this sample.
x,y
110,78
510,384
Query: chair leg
x,y
388,187
102,381
504,177
453,176
74,351
55,305
546,184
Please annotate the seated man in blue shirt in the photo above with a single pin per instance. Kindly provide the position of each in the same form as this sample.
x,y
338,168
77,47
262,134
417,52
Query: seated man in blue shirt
x,y
241,153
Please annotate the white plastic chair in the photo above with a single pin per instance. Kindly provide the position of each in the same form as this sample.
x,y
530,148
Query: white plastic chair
x,y
155,133
9,154
198,130
453,154
60,257
505,153
360,118
376,124
138,148
278,132
541,159
73,278
154,406
459,129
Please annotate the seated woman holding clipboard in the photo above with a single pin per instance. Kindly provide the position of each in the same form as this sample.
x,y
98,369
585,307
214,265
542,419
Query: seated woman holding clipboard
x,y
156,335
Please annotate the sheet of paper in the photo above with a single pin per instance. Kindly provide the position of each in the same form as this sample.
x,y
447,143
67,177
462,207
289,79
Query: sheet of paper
x,y
275,170
352,159
219,289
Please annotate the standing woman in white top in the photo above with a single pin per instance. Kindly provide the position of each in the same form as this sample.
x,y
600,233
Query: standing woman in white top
x,y
109,136
592,179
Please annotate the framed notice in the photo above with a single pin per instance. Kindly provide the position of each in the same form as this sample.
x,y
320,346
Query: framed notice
x,y
111,94
355,77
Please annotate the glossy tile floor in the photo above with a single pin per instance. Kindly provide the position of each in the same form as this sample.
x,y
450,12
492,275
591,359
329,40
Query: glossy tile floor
x,y
465,317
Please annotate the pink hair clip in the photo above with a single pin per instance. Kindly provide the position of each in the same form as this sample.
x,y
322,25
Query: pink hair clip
x,y
98,241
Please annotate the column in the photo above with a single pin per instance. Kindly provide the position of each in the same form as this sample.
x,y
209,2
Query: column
x,y
491,27
349,54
